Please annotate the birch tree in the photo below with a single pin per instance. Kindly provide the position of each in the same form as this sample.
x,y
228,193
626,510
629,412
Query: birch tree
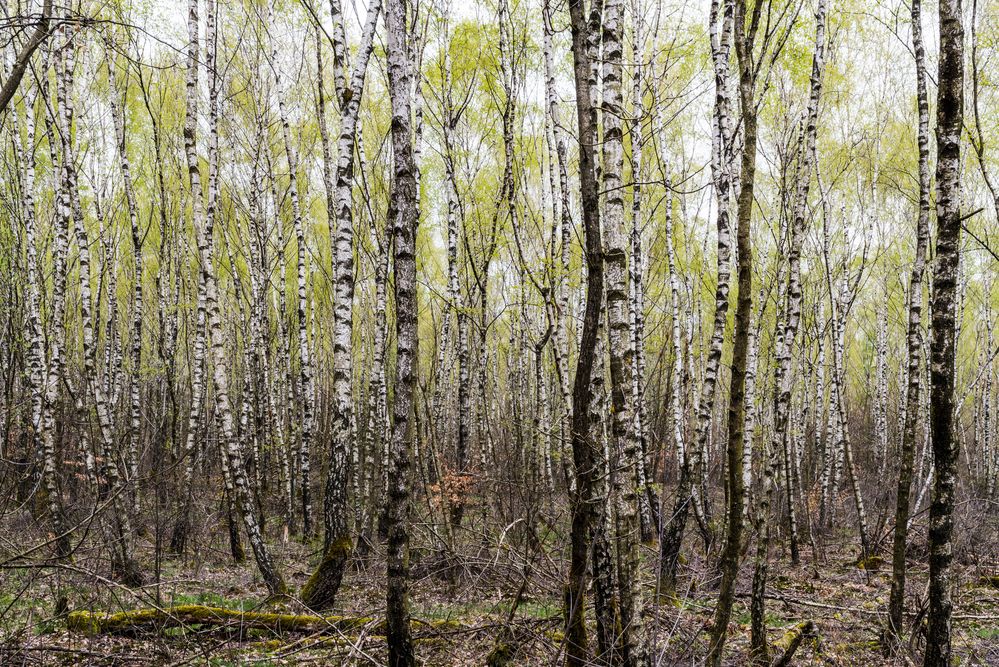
x,y
583,448
950,117
907,452
404,218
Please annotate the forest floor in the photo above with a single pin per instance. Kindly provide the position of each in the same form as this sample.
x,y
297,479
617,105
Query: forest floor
x,y
461,608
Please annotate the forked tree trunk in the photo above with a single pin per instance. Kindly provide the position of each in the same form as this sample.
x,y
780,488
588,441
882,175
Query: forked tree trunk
x,y
322,587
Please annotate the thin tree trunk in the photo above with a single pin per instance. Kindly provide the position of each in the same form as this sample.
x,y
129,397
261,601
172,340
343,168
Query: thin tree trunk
x,y
691,472
323,586
304,359
620,340
783,378
565,224
769,461
133,216
843,428
122,563
268,570
44,382
605,581
677,402
744,42
648,498
583,448
379,422
896,601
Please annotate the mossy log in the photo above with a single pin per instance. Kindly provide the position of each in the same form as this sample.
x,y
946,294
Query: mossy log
x,y
789,643
139,621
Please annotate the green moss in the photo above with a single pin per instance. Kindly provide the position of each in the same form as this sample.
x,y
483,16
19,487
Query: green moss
x,y
871,563
793,635
138,621
441,623
82,622
331,567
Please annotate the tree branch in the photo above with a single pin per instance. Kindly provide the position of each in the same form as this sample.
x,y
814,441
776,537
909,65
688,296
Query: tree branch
x,y
21,62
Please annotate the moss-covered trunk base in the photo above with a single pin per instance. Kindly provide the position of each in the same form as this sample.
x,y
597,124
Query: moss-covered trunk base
x,y
320,591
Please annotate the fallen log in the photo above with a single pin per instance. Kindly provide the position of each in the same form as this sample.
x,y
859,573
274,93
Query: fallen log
x,y
139,621
789,643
